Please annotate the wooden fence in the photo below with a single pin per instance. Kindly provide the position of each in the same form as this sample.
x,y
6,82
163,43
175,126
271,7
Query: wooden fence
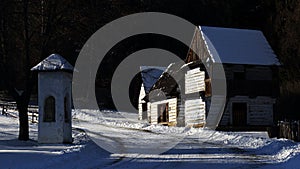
x,y
289,130
12,106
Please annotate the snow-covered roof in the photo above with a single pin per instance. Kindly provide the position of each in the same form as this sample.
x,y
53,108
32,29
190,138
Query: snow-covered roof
x,y
167,82
150,74
238,46
53,62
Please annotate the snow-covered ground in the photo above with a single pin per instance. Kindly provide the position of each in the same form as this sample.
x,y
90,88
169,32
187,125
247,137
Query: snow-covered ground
x,y
140,145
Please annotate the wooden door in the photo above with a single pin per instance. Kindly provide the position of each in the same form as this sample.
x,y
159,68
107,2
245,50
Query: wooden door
x,y
239,114
162,113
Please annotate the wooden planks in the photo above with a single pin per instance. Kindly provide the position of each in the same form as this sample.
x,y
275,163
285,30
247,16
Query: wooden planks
x,y
194,112
194,81
180,110
172,111
194,108
259,110
7,107
153,113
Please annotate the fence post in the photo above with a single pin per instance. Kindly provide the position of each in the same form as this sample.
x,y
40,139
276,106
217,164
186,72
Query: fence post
x,y
279,129
298,128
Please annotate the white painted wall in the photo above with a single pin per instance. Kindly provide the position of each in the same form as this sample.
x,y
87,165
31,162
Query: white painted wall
x,y
56,84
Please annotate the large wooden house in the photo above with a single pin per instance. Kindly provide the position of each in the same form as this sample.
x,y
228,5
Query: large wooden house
x,y
251,71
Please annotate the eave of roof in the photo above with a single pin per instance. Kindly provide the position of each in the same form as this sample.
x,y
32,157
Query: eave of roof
x,y
238,46
54,62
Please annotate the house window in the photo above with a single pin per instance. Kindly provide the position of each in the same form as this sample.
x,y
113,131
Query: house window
x,y
49,109
163,113
66,110
239,75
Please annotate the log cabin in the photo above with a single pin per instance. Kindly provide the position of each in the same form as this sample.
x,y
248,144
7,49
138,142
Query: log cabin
x,y
150,75
251,71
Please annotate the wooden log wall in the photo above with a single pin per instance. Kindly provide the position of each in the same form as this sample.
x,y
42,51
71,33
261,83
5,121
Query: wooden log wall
x,y
194,112
194,81
194,107
172,111
180,117
260,110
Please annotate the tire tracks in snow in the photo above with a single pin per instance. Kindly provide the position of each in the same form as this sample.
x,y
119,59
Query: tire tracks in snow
x,y
233,154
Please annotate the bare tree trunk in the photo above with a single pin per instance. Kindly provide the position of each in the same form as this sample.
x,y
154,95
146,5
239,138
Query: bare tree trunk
x,y
22,105
22,98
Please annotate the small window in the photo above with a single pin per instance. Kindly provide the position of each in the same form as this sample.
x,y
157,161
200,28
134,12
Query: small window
x,y
49,109
66,110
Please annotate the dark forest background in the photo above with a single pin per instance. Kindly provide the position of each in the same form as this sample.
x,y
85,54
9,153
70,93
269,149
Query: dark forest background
x,y
31,30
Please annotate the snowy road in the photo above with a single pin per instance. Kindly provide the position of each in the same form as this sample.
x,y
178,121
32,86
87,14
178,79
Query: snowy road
x,y
195,146
136,145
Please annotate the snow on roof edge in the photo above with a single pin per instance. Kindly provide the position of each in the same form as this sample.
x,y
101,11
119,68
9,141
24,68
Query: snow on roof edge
x,y
268,56
150,77
54,62
205,42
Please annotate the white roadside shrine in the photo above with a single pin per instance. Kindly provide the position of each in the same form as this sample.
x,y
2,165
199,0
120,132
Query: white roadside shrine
x,y
54,99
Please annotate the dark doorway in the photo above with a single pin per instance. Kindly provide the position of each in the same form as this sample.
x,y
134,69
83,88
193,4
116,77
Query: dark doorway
x,y
162,113
144,109
239,114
